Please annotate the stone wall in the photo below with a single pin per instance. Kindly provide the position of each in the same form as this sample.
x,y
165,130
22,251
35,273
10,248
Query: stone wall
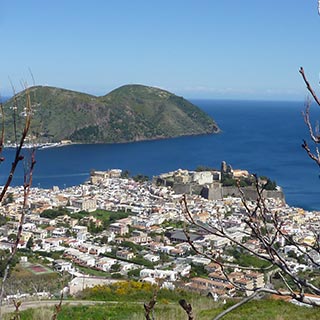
x,y
217,192
187,188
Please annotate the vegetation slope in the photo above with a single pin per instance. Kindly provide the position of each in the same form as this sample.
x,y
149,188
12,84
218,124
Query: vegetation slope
x,y
129,113
203,309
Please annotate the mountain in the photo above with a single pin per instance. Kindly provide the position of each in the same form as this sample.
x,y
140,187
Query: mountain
x,y
129,113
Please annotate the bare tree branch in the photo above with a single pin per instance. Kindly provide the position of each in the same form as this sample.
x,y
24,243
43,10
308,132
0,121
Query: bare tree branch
x,y
266,228
316,99
149,307
26,186
17,305
58,307
314,134
187,308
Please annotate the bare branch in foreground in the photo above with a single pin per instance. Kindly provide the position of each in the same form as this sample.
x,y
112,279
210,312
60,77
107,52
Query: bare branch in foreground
x,y
266,227
16,315
316,99
26,187
314,134
187,308
149,307
58,307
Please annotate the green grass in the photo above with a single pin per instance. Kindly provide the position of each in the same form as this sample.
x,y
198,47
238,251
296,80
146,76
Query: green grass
x,y
93,272
134,291
107,311
124,300
265,310
204,309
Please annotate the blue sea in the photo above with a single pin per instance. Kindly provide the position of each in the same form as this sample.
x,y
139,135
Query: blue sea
x,y
262,137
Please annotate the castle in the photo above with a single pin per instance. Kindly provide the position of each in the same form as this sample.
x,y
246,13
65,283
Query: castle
x,y
215,184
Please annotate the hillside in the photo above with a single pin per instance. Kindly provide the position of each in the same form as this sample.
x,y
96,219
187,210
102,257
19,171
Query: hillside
x,y
129,113
168,309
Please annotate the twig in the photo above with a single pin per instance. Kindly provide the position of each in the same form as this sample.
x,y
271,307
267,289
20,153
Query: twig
x,y
237,305
2,131
18,157
316,99
265,227
58,307
16,315
187,308
306,116
26,188
149,307
306,147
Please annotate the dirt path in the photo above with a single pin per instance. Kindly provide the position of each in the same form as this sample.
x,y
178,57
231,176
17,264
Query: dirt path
x,y
46,303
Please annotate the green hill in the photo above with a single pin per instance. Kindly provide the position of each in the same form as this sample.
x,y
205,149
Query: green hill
x,y
129,113
203,309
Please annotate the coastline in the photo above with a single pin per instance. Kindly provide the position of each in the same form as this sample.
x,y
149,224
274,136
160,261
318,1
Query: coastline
x,y
39,146
47,145
247,140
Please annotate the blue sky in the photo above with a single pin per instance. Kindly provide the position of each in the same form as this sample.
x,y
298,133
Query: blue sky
x,y
229,49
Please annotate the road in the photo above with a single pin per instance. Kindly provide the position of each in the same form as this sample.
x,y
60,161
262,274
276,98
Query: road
x,y
46,303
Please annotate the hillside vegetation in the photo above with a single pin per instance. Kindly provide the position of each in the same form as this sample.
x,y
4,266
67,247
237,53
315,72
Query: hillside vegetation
x,y
204,309
129,113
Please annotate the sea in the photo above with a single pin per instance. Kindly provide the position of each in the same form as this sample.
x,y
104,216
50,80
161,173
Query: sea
x,y
263,137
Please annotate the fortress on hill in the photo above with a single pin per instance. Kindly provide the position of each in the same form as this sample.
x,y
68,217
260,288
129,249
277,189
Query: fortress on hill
x,y
217,184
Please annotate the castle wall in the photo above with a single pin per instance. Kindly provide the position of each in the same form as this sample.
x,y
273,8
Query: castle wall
x,y
217,192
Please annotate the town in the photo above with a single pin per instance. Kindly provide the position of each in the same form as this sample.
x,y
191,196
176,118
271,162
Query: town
x,y
120,228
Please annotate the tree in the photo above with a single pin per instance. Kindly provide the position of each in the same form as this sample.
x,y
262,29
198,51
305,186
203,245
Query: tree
x,y
12,237
115,267
204,168
54,213
125,174
29,244
266,228
314,133
8,199
135,273
270,185
4,262
21,112
3,220
140,178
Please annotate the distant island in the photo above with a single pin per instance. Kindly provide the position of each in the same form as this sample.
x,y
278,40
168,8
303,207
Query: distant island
x,y
129,113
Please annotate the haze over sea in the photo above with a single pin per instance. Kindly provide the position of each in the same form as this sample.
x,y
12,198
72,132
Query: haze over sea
x,y
262,137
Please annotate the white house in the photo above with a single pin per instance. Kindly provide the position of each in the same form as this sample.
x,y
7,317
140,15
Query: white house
x,y
62,265
105,263
159,274
151,257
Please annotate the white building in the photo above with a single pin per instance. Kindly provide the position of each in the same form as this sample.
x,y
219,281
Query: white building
x,y
80,283
159,274
85,204
202,177
62,265
151,257
105,263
